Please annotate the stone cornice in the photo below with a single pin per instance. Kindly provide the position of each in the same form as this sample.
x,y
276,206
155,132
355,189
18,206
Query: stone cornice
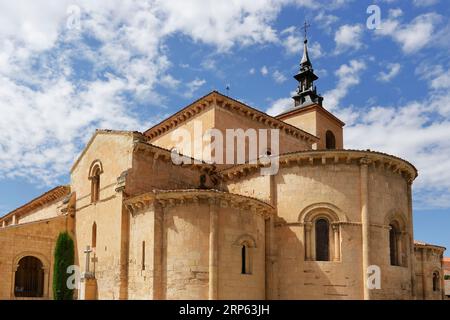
x,y
49,197
217,99
174,198
427,246
325,157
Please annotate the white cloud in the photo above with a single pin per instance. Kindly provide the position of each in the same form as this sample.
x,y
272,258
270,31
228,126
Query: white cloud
x,y
348,37
425,3
412,36
279,77
169,81
442,81
392,72
315,50
50,107
325,20
193,86
411,132
348,76
264,71
279,106
252,71
291,41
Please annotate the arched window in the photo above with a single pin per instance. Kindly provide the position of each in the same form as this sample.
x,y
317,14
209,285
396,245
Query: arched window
x,y
322,230
393,245
94,236
245,244
29,278
330,140
436,281
95,184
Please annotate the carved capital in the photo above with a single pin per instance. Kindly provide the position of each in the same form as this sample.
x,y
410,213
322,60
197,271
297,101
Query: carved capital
x,y
365,161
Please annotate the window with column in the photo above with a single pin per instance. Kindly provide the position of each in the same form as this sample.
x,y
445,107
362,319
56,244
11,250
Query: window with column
x,y
436,280
396,244
322,240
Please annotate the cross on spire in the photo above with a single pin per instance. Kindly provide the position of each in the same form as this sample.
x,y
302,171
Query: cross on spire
x,y
305,27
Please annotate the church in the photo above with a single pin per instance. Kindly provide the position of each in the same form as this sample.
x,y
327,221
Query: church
x,y
329,223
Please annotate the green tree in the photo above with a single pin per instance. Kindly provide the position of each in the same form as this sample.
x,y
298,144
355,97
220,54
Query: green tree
x,y
64,257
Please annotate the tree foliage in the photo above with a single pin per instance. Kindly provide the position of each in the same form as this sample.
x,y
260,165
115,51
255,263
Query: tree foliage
x,y
64,257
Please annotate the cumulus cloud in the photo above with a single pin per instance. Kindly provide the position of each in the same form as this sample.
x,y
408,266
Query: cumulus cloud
x,y
348,37
325,20
279,77
412,132
425,3
193,86
392,71
58,84
291,40
412,36
348,76
264,71
279,106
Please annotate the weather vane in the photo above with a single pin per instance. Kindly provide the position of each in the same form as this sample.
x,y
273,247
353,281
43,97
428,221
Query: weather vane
x,y
305,27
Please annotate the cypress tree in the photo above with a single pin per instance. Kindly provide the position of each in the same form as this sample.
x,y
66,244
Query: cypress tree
x,y
64,257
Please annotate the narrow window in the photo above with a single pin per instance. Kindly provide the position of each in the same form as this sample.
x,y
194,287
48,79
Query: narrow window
x,y
94,236
143,256
330,140
95,185
435,281
393,245
244,259
322,240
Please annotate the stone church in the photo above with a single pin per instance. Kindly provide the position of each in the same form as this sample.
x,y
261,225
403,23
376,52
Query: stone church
x,y
324,226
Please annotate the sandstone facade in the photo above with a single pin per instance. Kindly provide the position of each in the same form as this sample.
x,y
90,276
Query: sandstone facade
x,y
160,230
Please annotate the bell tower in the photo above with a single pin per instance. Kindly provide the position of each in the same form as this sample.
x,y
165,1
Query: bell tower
x,y
306,91
308,112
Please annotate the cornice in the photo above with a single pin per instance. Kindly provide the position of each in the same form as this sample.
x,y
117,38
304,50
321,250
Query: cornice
x,y
174,198
326,157
217,99
49,197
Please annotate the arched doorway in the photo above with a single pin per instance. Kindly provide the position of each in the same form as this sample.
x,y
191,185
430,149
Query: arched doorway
x,y
29,278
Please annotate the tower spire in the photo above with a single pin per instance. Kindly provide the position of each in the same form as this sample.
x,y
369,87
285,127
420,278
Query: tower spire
x,y
306,91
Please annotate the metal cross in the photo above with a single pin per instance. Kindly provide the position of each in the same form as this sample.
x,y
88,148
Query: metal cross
x,y
305,27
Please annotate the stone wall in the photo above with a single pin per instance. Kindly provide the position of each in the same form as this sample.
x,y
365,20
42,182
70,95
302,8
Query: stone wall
x,y
114,152
182,259
428,260
330,186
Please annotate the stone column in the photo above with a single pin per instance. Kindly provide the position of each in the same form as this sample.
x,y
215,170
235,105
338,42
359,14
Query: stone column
x,y
270,259
158,245
399,248
412,264
3,224
14,220
424,275
46,282
308,242
124,253
364,180
213,250
337,251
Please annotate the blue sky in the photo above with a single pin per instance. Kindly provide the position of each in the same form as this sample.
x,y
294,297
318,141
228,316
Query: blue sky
x,y
70,67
